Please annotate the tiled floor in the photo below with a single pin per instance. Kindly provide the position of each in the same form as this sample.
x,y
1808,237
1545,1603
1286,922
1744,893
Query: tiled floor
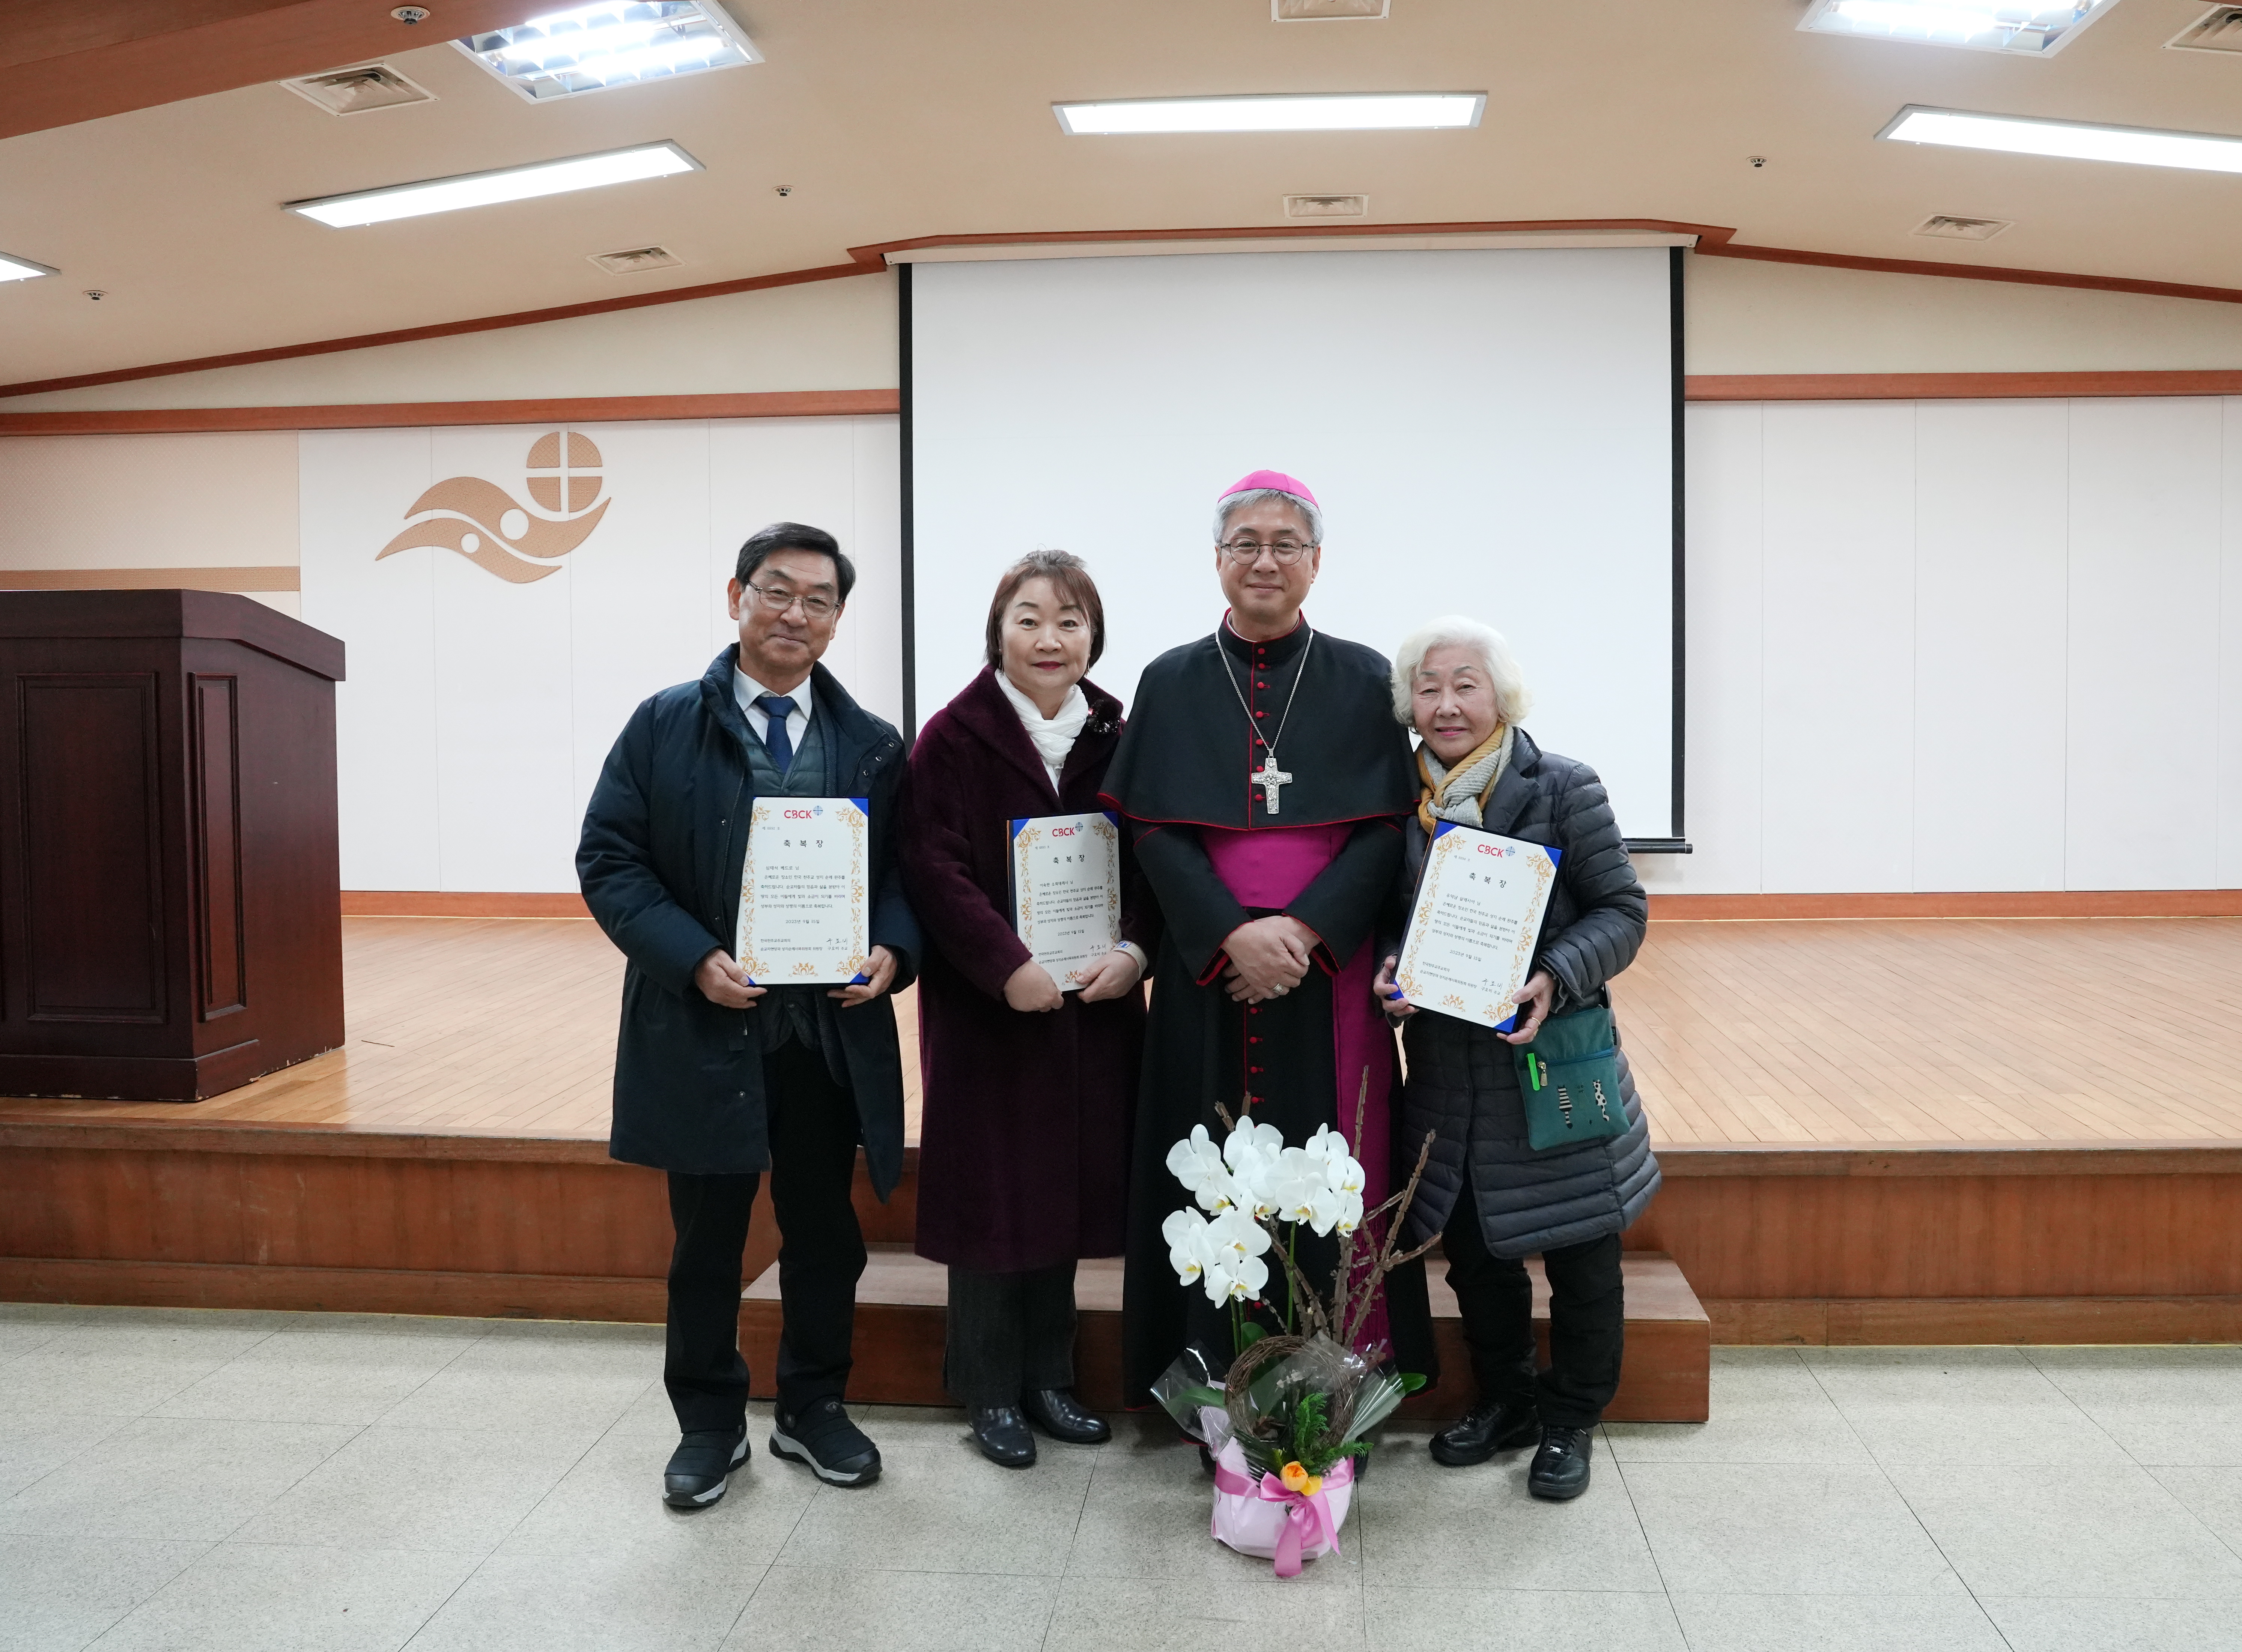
x,y
242,1481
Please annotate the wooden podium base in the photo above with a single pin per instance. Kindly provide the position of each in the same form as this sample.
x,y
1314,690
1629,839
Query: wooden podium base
x,y
147,1078
901,1299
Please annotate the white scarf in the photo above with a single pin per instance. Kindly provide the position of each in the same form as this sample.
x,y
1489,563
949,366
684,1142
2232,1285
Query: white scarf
x,y
1455,797
1054,736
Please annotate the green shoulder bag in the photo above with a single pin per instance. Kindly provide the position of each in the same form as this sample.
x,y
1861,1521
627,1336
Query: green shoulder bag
x,y
1569,1076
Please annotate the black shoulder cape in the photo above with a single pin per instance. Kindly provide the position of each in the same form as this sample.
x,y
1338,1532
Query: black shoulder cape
x,y
1186,751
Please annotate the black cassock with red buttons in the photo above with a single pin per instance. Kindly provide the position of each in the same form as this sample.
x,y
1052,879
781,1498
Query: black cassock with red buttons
x,y
1200,730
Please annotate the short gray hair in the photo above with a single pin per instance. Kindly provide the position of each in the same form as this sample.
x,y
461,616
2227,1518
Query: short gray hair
x,y
1232,502
1511,698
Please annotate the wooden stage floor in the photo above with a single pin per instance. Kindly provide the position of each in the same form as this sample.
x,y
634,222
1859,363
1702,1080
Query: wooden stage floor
x,y
1857,1032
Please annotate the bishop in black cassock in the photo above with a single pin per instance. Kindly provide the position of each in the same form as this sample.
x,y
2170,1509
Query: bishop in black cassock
x,y
1264,780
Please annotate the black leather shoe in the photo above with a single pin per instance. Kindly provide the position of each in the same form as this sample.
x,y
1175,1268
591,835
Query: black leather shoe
x,y
824,1441
1560,1468
1485,1429
1060,1414
1003,1435
702,1466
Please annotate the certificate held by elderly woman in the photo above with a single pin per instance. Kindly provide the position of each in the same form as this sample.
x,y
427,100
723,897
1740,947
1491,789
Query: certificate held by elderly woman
x,y
1066,892
803,892
1472,933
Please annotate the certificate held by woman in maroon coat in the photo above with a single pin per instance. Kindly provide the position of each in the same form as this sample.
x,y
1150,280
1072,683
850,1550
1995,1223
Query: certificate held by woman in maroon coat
x,y
1265,779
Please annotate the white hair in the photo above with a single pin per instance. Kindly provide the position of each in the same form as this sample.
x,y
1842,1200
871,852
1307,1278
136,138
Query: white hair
x,y
1234,502
1511,698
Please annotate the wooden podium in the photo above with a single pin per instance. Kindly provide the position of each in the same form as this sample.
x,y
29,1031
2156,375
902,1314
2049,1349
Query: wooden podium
x,y
170,891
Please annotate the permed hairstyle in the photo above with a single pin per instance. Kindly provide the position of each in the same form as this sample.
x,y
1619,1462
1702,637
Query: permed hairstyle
x,y
1511,698
1068,577
795,536
1234,502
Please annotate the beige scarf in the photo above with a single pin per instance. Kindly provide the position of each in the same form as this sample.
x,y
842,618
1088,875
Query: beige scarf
x,y
1457,793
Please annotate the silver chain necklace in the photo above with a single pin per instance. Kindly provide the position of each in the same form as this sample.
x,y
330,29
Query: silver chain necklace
x,y
1268,777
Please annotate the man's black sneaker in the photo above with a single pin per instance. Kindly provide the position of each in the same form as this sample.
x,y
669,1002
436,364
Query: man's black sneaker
x,y
1561,1467
702,1466
1484,1430
822,1440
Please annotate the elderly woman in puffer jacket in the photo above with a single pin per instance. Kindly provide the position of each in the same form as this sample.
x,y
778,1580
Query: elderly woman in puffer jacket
x,y
1492,1198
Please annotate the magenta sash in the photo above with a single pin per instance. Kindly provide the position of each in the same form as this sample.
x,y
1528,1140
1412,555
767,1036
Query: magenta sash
x,y
1269,868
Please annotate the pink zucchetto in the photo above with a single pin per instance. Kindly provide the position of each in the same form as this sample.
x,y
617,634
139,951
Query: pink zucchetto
x,y
1276,480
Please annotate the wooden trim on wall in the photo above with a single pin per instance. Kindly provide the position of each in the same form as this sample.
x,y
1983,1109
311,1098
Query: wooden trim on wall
x,y
447,903
1950,1321
2058,903
1859,387
151,579
582,410
1712,240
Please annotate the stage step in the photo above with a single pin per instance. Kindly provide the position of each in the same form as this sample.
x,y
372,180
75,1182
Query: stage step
x,y
901,1300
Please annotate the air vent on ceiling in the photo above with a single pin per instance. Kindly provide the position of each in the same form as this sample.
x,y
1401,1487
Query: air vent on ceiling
x,y
636,260
353,91
1326,206
2216,30
1954,229
1325,10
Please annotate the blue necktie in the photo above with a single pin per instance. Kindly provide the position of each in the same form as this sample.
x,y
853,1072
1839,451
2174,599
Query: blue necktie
x,y
777,738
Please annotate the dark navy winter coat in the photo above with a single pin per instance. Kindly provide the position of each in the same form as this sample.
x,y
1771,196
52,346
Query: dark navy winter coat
x,y
665,837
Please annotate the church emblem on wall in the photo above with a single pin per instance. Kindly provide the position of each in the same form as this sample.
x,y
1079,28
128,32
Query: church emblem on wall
x,y
494,531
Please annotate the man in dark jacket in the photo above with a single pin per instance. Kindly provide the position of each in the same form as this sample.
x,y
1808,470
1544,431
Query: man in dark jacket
x,y
718,1079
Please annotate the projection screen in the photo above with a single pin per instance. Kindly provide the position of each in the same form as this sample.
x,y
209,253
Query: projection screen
x,y
1489,432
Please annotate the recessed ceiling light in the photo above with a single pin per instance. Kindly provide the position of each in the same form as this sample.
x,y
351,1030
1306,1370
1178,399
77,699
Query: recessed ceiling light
x,y
599,48
1285,112
2066,140
2026,29
507,184
15,269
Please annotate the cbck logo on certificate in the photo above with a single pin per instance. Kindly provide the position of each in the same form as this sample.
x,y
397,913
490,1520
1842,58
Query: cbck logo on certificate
x,y
1471,932
804,912
1066,891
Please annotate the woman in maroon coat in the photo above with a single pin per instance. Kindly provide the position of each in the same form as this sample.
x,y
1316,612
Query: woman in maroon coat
x,y
1024,1148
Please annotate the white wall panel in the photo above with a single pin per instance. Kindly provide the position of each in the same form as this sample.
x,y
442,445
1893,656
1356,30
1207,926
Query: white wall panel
x,y
1989,666
1839,611
2144,643
875,619
762,471
182,500
355,486
1725,488
638,587
2230,652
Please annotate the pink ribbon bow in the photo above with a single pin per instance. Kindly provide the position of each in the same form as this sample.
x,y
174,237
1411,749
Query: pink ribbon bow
x,y
1306,1515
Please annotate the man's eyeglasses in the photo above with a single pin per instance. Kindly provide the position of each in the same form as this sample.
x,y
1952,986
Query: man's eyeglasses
x,y
1286,552
778,601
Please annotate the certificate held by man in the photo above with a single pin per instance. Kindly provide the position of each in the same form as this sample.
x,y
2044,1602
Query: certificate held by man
x,y
1472,931
1066,892
802,905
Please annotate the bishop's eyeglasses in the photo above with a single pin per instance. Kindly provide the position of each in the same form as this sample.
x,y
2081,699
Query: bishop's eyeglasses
x,y
778,601
1248,551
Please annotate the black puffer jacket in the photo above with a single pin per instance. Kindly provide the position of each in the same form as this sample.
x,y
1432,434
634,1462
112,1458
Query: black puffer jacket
x,y
1462,1085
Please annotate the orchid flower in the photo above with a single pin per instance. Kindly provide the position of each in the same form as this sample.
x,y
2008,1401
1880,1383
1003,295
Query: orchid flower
x,y
1237,1279
1251,1154
1189,1251
1198,1163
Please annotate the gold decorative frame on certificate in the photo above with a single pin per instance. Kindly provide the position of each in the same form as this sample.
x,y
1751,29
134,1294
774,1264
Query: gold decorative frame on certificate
x,y
1024,840
1436,860
760,968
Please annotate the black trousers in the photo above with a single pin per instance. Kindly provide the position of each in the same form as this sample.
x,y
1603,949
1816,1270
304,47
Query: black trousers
x,y
812,1156
1588,1320
1007,1333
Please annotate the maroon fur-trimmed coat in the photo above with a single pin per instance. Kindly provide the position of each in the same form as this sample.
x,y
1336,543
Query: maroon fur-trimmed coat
x,y
1024,1139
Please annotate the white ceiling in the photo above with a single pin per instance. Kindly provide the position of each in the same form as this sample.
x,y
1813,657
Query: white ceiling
x,y
898,118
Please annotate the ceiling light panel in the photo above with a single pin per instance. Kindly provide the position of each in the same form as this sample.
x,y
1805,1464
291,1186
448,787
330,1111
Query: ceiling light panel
x,y
601,48
2066,140
2024,30
1341,112
15,269
507,184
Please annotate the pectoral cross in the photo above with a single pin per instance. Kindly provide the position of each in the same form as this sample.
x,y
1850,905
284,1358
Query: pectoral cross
x,y
1269,778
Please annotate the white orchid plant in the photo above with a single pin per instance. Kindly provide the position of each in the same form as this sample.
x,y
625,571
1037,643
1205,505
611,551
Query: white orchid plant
x,y
1248,1184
